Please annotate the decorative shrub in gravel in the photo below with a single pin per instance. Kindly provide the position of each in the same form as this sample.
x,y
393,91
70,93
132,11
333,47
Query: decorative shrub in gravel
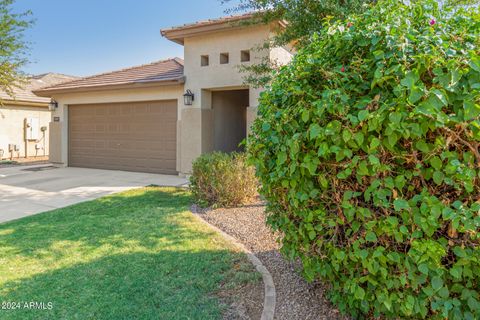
x,y
223,180
367,149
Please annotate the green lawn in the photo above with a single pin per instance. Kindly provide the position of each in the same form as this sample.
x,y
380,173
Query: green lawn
x,y
134,255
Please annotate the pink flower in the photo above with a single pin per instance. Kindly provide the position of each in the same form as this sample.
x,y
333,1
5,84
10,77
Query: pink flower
x,y
343,69
432,22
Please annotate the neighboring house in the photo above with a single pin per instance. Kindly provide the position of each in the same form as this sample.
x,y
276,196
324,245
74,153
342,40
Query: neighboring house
x,y
24,118
136,119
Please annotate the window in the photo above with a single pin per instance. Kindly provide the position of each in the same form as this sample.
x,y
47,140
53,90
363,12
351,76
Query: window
x,y
204,60
224,58
245,55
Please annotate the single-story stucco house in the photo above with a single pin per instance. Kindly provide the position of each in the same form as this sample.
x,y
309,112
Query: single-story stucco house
x,y
25,118
137,119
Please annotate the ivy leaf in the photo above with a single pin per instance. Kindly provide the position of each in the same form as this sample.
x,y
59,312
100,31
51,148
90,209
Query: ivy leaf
x,y
410,79
415,94
388,304
392,139
373,160
410,303
422,146
436,163
456,272
473,304
305,115
347,135
472,110
311,165
459,252
362,115
401,204
374,144
475,63
438,177
363,169
323,181
395,118
371,236
359,138
282,157
437,283
359,293
314,131
428,291
444,292
423,268
441,96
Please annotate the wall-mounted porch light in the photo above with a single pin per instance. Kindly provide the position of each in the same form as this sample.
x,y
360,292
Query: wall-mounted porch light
x,y
188,98
53,105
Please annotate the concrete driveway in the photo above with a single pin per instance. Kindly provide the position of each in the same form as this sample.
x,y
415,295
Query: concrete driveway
x,y
26,191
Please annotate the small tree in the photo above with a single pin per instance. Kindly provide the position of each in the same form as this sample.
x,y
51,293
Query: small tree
x,y
303,17
12,46
367,147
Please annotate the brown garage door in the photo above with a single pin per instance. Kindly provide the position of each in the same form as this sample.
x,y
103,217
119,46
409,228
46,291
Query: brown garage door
x,y
139,136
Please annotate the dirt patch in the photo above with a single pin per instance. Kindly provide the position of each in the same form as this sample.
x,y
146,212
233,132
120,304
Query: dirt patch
x,y
242,292
23,162
296,299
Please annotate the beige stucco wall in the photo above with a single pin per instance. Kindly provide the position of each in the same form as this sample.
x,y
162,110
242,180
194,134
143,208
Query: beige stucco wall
x,y
280,56
12,129
203,80
60,155
55,140
216,75
196,131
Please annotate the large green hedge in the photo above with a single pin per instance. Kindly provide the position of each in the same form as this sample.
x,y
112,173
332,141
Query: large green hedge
x,y
367,149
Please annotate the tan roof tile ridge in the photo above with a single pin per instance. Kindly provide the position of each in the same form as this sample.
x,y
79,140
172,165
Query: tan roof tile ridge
x,y
67,84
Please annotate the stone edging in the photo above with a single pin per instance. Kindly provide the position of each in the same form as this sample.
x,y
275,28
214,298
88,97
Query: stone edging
x,y
270,294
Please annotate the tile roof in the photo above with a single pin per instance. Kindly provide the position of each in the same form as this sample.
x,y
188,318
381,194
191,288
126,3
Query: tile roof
x,y
226,19
25,93
160,71
178,33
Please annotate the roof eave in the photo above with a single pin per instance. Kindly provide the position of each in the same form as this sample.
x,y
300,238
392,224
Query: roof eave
x,y
178,34
25,103
146,84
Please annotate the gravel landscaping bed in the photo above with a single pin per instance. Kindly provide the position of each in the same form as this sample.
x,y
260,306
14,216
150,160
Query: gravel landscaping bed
x,y
296,299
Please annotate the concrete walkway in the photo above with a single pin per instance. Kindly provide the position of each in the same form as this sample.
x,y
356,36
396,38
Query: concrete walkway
x,y
30,190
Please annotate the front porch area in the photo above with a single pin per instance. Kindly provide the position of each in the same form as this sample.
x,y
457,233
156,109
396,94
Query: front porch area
x,y
220,121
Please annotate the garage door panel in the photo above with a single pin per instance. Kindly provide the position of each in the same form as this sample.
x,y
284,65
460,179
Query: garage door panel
x,y
86,144
169,127
138,136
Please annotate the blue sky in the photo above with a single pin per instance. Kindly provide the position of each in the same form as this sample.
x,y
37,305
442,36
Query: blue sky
x,y
84,37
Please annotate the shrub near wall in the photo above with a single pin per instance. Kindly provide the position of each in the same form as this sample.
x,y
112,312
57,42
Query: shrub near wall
x,y
223,180
367,149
